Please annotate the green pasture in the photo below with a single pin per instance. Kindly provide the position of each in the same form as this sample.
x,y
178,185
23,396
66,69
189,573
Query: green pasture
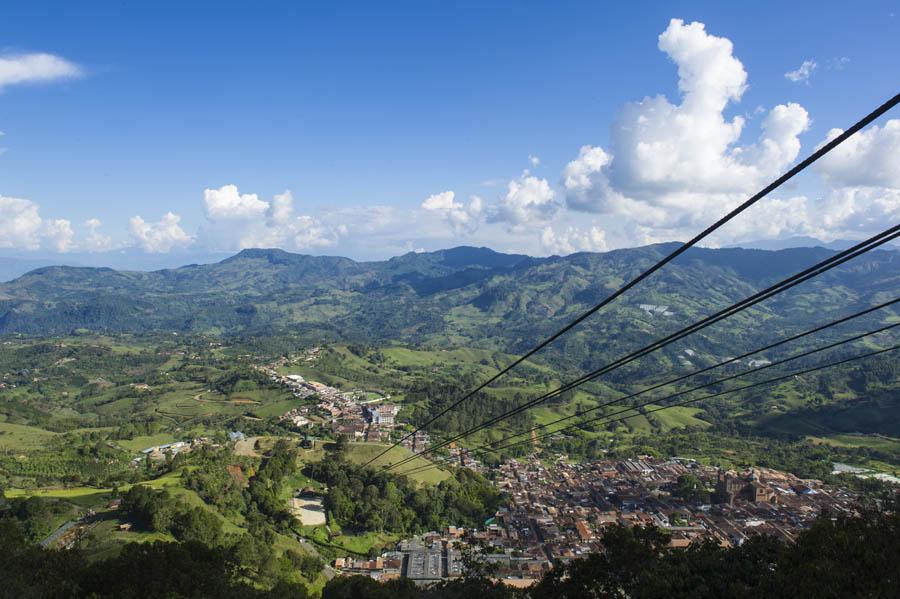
x,y
359,453
18,437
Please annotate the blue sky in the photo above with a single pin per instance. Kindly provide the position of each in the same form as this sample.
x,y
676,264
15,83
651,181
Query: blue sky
x,y
364,111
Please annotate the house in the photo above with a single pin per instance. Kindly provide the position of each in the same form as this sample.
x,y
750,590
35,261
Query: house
x,y
159,452
299,421
584,531
351,429
382,415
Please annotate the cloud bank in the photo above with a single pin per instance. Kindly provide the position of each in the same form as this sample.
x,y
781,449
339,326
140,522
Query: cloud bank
x,y
238,221
22,227
161,236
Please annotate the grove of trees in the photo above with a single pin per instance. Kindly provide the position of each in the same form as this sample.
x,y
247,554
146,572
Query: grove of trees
x,y
362,498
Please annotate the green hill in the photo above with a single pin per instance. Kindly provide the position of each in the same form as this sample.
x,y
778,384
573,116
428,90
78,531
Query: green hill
x,y
459,297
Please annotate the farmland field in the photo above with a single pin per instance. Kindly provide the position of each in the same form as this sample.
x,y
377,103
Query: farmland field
x,y
18,437
359,453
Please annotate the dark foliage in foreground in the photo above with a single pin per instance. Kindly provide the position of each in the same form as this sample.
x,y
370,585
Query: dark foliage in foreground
x,y
846,557
836,558
170,570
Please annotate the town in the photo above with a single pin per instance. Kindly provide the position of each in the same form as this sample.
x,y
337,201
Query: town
x,y
555,509
558,511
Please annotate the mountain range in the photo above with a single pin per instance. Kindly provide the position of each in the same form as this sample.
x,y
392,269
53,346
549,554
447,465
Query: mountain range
x,y
460,296
15,264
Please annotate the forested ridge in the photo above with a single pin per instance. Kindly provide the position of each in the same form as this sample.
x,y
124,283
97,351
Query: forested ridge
x,y
472,296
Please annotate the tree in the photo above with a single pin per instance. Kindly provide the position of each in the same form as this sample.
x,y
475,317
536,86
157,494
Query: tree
x,y
198,525
284,589
690,488
363,587
612,573
310,566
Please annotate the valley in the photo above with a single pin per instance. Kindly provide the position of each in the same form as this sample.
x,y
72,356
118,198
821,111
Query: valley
x,y
133,426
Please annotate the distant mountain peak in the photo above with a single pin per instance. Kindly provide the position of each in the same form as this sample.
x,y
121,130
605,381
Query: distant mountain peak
x,y
260,253
461,256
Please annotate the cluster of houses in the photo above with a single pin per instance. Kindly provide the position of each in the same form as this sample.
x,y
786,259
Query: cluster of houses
x,y
417,442
559,512
346,413
463,457
654,310
424,559
436,556
157,453
562,510
369,420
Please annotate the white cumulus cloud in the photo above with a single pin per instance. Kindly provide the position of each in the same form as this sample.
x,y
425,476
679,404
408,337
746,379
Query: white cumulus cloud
x,y
160,237
281,208
867,159
463,218
802,73
20,224
861,192
859,210
862,180
572,240
239,221
60,234
23,228
95,241
672,165
35,68
785,217
529,201
228,204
